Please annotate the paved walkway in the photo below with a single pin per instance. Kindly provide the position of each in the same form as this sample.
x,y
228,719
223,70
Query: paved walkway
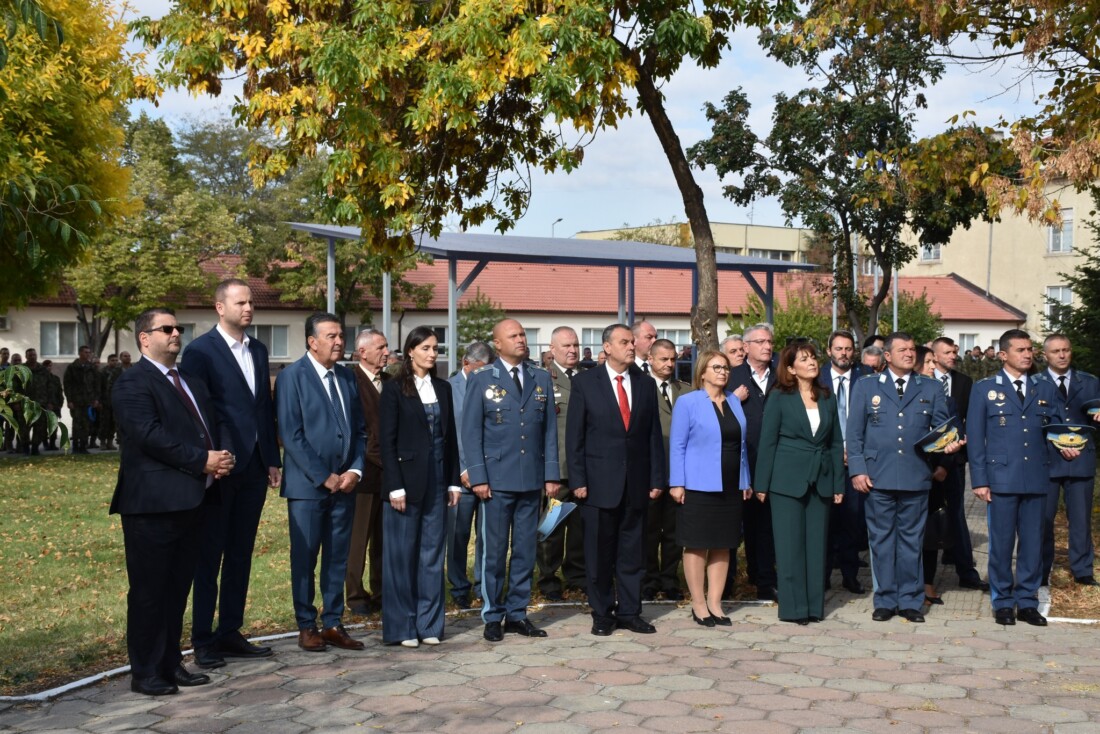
x,y
957,672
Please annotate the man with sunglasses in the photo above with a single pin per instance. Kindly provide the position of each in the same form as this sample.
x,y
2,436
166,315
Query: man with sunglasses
x,y
173,449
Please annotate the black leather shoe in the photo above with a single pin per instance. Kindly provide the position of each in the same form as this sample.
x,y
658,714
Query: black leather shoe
x,y
674,595
720,620
462,602
1004,616
153,686
236,646
1086,580
493,632
767,593
707,621
603,628
183,678
1032,617
912,615
208,658
553,596
930,600
359,609
636,624
851,583
974,584
882,614
649,595
523,627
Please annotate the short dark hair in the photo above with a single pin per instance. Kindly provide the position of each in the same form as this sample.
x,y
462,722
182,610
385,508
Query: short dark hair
x,y
943,340
317,318
922,355
612,329
143,322
221,288
1006,338
841,334
663,344
895,336
871,340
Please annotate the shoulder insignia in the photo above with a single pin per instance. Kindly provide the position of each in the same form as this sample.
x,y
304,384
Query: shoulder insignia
x,y
482,368
882,378
997,379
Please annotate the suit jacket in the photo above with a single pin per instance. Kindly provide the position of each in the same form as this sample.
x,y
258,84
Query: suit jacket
x,y
793,459
961,387
617,464
308,429
509,443
163,449
754,405
563,389
371,481
825,379
1082,387
406,441
883,430
458,381
664,411
695,444
249,419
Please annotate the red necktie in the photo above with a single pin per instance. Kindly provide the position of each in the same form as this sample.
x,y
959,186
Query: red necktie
x,y
192,407
624,404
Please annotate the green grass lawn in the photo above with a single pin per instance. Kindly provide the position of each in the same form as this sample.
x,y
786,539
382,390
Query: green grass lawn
x,y
63,572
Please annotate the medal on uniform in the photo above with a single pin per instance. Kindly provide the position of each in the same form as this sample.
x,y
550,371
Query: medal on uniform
x,y
875,400
992,394
1002,422
495,393
500,418
1000,396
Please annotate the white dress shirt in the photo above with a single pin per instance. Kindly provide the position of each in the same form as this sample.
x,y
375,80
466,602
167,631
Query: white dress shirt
x,y
939,378
615,385
186,389
240,352
895,377
321,371
426,391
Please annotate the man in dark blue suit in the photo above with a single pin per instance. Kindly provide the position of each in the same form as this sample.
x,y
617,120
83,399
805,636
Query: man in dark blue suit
x,y
1010,470
511,446
1073,479
847,524
617,465
324,436
173,448
234,368
889,413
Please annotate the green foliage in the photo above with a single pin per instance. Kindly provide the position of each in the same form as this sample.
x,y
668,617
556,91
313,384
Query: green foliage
x,y
1081,320
476,320
16,408
657,232
804,314
916,316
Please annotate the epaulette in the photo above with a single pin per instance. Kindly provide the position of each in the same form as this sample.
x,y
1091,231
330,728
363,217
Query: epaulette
x,y
482,368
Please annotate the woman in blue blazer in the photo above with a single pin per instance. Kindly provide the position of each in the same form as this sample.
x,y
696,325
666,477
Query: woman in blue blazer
x,y
420,479
800,464
709,478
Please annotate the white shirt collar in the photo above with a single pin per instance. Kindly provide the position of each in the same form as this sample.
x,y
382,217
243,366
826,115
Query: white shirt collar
x,y
158,365
372,376
319,368
232,342
894,377
613,374
1054,376
941,374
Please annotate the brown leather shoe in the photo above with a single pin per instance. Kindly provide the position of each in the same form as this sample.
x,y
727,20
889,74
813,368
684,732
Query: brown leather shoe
x,y
310,640
338,637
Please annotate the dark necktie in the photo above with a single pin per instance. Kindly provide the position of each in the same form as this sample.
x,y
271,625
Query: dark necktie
x,y
515,377
624,403
338,413
946,385
192,408
645,367
901,387
569,374
664,394
1019,389
1062,387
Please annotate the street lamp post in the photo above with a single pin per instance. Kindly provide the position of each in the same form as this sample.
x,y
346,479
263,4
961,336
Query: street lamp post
x,y
554,224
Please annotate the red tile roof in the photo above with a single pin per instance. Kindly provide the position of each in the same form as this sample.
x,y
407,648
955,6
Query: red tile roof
x,y
524,287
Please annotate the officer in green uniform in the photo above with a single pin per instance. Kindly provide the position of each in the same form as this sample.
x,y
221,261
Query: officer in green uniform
x,y
107,377
37,390
54,400
82,389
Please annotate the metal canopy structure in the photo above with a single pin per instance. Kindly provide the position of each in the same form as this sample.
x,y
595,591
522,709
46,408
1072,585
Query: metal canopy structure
x,y
481,249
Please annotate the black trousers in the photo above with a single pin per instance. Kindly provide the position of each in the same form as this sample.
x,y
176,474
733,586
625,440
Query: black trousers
x,y
226,540
563,550
614,551
161,551
663,555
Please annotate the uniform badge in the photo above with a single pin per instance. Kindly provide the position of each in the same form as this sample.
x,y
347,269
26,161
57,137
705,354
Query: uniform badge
x,y
539,395
1000,396
1002,422
500,418
875,400
992,394
495,393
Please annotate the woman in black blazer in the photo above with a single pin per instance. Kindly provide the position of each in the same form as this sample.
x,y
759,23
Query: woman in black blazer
x,y
420,479
800,471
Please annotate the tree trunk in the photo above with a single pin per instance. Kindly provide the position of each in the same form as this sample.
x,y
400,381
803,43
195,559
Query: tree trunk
x,y
704,317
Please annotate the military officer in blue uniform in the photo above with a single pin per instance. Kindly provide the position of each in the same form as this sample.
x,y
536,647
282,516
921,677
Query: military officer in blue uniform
x,y
1010,470
1073,478
888,415
510,439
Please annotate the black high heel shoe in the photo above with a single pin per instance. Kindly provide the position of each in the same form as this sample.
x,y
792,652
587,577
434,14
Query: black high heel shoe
x,y
720,620
706,621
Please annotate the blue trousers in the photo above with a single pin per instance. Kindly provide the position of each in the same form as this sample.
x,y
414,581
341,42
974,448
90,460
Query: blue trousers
x,y
319,526
509,521
1078,499
1015,522
895,535
412,575
460,520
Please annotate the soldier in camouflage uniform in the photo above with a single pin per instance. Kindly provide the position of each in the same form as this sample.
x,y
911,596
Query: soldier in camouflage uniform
x,y
55,398
32,436
82,389
107,377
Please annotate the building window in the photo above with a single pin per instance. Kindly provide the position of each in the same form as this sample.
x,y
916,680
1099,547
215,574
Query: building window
x,y
1060,238
533,344
784,255
868,266
351,333
273,337
593,339
930,253
59,338
1059,297
680,337
967,342
441,337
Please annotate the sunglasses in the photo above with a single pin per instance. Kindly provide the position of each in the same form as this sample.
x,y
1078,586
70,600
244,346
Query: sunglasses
x,y
165,330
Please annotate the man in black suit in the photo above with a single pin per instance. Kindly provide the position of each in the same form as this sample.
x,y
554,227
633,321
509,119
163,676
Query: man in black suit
x,y
234,368
616,465
957,386
757,376
170,459
847,521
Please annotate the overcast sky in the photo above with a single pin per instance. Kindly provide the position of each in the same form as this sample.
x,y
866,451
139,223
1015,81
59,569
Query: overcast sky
x,y
625,178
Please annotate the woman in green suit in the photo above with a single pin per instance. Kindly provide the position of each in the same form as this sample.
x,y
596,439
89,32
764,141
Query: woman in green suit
x,y
800,464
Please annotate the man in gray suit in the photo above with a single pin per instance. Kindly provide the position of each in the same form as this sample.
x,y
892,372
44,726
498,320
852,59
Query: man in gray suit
x,y
324,437
461,517
511,454
564,548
